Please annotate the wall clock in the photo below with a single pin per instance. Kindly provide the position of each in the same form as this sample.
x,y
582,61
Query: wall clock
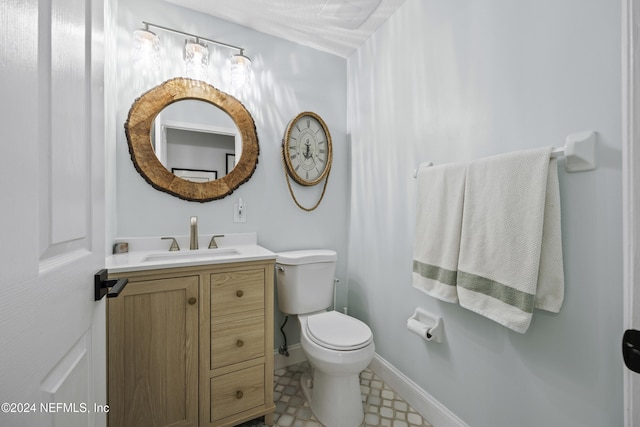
x,y
307,153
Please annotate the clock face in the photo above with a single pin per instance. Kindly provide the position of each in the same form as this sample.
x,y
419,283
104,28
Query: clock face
x,y
307,148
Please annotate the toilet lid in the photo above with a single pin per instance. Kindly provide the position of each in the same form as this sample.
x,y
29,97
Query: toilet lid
x,y
338,331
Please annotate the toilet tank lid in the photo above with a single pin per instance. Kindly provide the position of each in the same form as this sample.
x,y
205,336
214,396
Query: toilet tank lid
x,y
306,256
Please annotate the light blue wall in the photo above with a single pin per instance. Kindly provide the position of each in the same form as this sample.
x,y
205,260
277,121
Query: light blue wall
x,y
447,81
287,79
440,81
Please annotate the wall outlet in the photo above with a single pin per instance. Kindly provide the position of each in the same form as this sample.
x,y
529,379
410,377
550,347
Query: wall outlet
x,y
239,211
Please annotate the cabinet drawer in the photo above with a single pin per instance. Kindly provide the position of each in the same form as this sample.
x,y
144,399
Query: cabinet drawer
x,y
236,291
233,342
237,391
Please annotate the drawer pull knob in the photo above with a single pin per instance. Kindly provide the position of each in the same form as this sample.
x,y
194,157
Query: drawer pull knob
x,y
192,301
239,294
239,343
239,394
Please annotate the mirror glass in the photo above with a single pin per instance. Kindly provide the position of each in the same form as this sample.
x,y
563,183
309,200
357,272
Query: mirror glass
x,y
196,140
191,140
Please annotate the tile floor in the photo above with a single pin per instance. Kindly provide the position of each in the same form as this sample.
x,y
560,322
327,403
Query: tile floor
x,y
382,406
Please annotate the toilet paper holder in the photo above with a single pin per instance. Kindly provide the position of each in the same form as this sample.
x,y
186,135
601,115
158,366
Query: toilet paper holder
x,y
425,325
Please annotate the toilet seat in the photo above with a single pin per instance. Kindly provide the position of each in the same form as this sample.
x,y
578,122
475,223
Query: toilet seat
x,y
337,331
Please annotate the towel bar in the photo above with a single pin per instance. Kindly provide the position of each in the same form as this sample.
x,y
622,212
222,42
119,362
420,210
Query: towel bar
x,y
579,152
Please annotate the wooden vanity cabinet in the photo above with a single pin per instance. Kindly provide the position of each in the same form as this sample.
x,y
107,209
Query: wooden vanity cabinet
x,y
192,346
153,351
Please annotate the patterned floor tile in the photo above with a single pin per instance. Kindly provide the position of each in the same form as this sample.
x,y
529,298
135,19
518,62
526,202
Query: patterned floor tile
x,y
382,406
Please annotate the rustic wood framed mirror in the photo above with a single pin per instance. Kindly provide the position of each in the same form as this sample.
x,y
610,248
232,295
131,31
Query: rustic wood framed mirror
x,y
140,123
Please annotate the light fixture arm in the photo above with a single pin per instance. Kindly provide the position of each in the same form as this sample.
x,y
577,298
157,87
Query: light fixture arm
x,y
198,38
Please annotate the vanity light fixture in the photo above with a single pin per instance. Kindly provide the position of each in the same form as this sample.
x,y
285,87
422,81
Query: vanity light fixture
x,y
240,68
147,49
196,55
196,58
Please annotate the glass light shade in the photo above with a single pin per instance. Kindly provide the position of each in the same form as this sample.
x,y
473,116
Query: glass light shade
x,y
240,70
196,57
146,50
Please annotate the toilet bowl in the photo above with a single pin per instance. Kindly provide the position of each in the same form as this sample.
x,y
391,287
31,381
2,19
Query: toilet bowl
x,y
338,348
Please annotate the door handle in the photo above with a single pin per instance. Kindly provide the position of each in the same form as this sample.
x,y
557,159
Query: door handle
x,y
110,288
631,349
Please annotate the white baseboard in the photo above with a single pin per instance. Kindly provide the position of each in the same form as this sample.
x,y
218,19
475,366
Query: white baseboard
x,y
296,355
425,404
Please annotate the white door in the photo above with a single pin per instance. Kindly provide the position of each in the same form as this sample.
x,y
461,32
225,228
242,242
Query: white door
x,y
52,333
631,194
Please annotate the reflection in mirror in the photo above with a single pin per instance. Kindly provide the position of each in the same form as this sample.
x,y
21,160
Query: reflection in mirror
x,y
196,139
141,126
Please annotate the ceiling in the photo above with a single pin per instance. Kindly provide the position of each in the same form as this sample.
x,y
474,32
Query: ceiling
x,y
335,26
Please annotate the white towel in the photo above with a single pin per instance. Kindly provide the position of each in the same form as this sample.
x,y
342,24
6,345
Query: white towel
x,y
440,193
510,252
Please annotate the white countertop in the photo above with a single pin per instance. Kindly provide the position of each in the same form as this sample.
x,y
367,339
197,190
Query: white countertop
x,y
237,247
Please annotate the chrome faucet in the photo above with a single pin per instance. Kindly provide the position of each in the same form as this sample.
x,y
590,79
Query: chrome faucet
x,y
193,241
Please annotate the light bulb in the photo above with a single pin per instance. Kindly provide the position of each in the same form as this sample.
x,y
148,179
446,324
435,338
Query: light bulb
x,y
240,70
147,50
196,57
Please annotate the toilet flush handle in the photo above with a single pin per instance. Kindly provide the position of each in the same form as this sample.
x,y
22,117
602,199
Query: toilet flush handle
x,y
279,267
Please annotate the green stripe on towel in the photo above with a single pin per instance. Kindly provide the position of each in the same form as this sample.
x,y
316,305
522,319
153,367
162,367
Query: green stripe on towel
x,y
434,272
497,290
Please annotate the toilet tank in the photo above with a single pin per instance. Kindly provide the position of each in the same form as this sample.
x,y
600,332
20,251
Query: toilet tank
x,y
305,280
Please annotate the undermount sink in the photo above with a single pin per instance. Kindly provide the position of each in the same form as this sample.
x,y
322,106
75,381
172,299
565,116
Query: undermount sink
x,y
151,253
191,255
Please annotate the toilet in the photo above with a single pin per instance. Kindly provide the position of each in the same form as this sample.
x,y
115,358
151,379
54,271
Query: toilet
x,y
338,347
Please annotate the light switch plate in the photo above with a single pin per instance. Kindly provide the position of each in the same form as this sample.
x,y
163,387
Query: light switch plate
x,y
240,211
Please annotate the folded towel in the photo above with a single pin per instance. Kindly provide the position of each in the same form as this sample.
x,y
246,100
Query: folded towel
x,y
511,215
550,291
440,193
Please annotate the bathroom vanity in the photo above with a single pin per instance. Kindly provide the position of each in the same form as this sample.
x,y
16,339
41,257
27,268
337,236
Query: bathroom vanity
x,y
190,338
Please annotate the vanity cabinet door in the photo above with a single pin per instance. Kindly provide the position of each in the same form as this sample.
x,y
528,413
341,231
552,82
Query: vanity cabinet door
x,y
153,353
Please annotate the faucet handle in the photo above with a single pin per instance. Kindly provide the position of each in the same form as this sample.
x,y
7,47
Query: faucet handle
x,y
212,243
174,245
